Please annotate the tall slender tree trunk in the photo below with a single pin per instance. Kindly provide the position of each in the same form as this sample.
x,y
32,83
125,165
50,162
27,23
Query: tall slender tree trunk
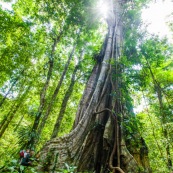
x,y
165,132
95,144
4,98
10,118
4,120
51,103
153,127
12,112
64,102
163,118
53,98
31,142
18,124
13,84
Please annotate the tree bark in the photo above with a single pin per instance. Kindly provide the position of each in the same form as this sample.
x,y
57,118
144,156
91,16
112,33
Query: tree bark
x,y
4,120
4,98
10,118
65,101
163,118
12,113
90,86
152,126
32,140
18,124
50,105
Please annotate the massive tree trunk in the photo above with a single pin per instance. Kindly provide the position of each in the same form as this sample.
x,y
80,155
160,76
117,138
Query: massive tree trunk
x,y
96,143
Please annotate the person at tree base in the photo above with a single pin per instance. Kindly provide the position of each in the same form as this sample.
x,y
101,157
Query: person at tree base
x,y
26,160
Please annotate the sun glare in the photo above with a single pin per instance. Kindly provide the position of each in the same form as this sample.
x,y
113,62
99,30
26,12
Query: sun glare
x,y
102,8
7,5
157,15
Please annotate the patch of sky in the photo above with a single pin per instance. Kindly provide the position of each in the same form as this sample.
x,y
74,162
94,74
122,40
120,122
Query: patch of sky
x,y
157,16
137,67
7,5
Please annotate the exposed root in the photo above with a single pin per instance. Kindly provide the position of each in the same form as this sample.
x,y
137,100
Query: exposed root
x,y
116,143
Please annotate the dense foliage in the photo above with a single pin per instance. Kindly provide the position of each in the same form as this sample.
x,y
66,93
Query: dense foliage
x,y
48,49
38,41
